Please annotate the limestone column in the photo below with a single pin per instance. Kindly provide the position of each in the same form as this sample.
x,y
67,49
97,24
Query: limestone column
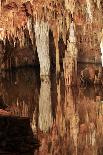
x,y
45,109
42,43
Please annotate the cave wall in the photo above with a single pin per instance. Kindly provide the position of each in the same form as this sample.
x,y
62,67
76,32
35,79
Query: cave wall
x,y
19,21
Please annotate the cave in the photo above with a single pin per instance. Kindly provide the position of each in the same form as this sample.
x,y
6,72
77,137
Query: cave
x,y
51,73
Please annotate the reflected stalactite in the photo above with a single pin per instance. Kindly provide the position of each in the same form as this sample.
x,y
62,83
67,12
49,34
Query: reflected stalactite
x,y
20,109
45,107
72,116
24,99
88,113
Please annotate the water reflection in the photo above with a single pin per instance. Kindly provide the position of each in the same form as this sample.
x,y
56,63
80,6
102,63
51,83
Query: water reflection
x,y
20,91
45,108
67,121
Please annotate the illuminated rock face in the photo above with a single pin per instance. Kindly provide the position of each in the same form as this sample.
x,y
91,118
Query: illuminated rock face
x,y
82,42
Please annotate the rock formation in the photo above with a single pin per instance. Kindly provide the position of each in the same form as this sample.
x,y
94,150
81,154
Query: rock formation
x,y
25,26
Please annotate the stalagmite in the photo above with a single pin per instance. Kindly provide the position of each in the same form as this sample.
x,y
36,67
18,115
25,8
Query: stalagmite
x,y
42,43
45,109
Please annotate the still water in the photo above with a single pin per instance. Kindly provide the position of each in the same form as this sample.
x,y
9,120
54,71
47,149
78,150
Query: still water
x,y
67,121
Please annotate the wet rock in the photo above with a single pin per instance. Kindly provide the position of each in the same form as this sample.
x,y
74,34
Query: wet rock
x,y
2,103
16,134
4,113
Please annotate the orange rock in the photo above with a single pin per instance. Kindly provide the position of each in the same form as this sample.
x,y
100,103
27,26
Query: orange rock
x,y
3,112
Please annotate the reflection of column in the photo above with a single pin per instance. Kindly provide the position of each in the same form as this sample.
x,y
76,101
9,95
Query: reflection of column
x,y
45,113
20,109
42,42
72,116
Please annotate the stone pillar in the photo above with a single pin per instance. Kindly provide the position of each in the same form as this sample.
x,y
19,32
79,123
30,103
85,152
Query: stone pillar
x,y
45,109
42,43
70,60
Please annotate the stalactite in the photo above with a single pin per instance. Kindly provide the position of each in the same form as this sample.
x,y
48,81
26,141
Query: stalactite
x,y
89,10
97,3
55,15
56,39
42,43
70,5
21,38
30,28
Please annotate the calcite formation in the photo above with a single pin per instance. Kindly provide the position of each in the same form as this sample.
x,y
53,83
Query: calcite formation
x,y
70,60
42,42
26,24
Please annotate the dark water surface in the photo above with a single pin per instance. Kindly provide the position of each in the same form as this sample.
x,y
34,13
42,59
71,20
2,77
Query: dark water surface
x,y
67,121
